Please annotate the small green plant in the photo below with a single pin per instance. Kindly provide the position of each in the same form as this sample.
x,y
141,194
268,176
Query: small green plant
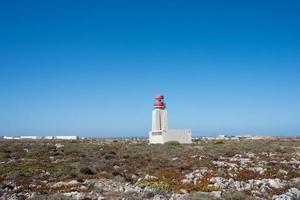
x,y
175,143
219,142
158,185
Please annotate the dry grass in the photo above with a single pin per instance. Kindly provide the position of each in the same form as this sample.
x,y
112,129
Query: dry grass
x,y
24,162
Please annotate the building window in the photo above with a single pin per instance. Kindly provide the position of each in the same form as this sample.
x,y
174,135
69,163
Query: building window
x,y
156,133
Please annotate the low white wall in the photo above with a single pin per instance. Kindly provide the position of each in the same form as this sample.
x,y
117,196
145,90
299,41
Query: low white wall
x,y
155,137
181,136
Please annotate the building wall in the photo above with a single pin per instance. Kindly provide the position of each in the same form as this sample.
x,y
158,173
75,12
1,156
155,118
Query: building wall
x,y
10,137
155,120
29,137
66,137
48,137
164,120
159,120
181,136
155,137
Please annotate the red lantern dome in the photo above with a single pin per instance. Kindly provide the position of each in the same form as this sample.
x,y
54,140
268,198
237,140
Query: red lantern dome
x,y
159,97
160,102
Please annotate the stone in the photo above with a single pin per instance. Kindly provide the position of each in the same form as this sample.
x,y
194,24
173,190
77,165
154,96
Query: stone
x,y
206,195
293,192
219,182
179,197
274,183
159,197
295,181
282,197
216,194
239,186
58,145
148,177
183,191
116,167
73,182
281,171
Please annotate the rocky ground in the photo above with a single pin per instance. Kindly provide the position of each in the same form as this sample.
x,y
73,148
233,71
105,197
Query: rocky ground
x,y
90,169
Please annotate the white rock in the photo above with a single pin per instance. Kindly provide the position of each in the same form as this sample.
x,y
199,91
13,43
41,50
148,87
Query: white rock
x,y
281,171
250,155
159,197
291,194
183,191
239,186
58,145
248,186
295,191
260,170
216,194
179,197
295,180
73,182
184,181
58,184
218,180
274,183
148,177
282,197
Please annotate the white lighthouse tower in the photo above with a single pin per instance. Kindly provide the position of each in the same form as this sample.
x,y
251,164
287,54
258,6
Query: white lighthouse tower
x,y
159,115
160,133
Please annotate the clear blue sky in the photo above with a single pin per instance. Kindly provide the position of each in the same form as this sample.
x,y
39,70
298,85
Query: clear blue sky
x,y
91,68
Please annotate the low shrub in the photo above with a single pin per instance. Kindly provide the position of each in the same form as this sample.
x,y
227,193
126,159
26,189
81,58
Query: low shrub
x,y
86,171
158,185
175,143
235,195
219,142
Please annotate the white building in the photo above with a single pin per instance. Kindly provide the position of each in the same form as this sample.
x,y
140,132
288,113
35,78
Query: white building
x,y
40,137
66,137
11,137
160,133
48,137
29,137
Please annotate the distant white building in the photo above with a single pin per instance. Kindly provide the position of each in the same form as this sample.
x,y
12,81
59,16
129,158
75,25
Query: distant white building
x,y
244,136
48,137
160,133
29,137
66,137
11,137
40,137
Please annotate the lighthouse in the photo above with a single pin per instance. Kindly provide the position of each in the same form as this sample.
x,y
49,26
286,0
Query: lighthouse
x,y
160,133
159,115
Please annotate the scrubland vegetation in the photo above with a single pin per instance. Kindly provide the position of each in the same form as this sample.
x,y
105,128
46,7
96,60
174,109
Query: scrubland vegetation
x,y
87,169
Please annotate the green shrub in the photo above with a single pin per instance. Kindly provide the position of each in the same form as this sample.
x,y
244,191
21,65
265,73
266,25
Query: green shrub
x,y
175,143
51,197
158,185
219,142
234,195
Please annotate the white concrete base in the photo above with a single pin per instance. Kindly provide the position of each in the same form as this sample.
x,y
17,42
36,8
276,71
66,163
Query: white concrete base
x,y
160,137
